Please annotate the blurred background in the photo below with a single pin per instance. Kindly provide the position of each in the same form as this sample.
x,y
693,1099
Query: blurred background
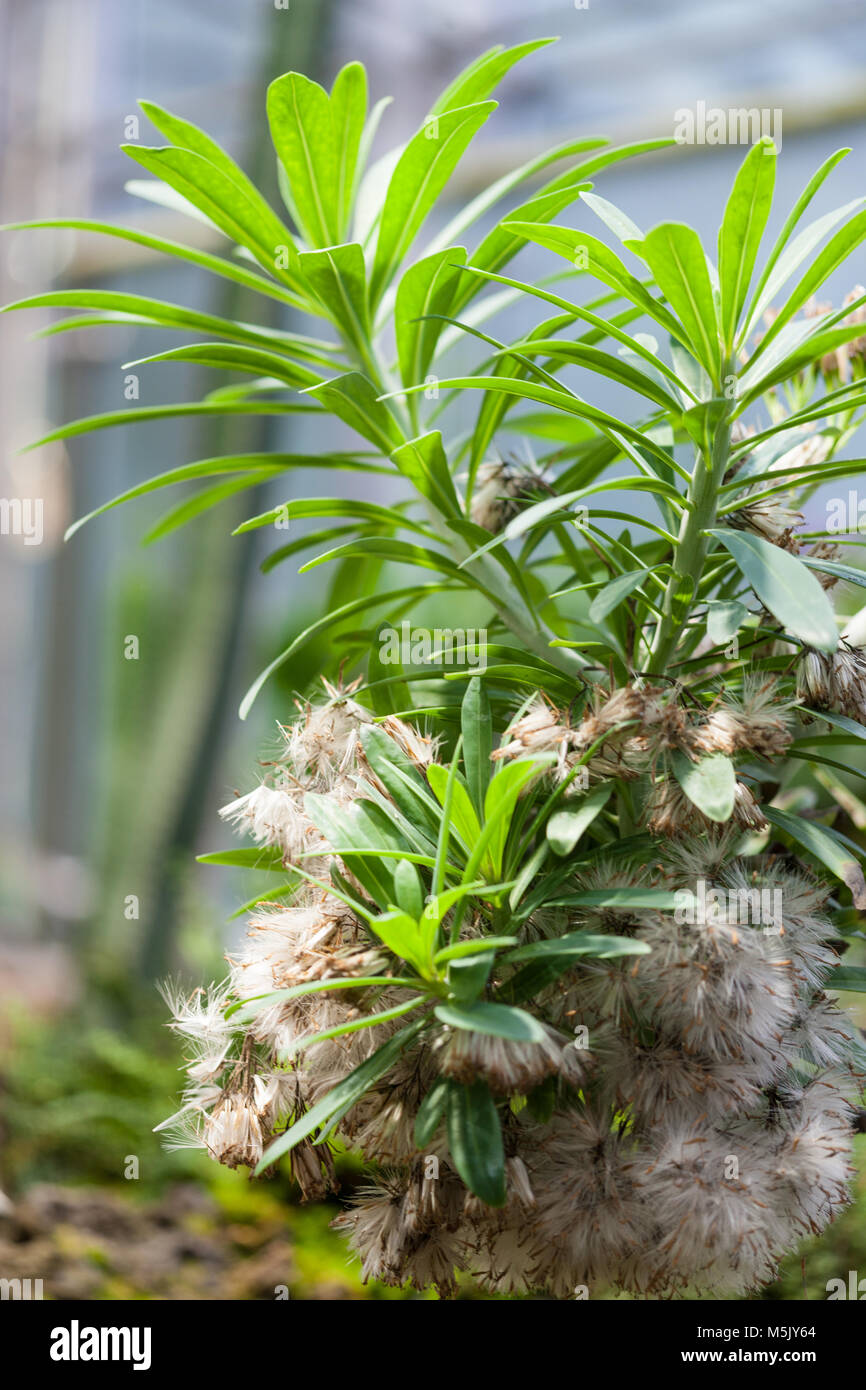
x,y
113,769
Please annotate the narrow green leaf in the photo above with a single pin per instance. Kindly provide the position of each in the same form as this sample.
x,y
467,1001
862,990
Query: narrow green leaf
x,y
353,399
580,943
423,461
112,418
254,857
588,253
745,218
781,241
421,173
424,298
344,1094
483,75
348,114
495,1020
785,587
338,279
477,726
430,1112
327,620
826,848
475,1142
226,203
674,254
217,265
302,129
616,592
461,811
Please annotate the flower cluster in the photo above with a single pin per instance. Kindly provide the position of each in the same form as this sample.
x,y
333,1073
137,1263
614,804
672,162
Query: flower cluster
x,y
682,1118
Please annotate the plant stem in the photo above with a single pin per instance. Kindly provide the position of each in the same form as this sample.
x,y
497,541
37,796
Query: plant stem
x,y
692,544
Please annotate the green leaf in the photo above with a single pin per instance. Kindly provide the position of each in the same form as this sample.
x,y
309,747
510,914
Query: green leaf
x,y
217,265
840,721
613,217
791,221
503,242
580,248
421,173
500,801
467,216
615,593
348,113
423,461
111,418
302,129
835,253
468,976
709,784
338,279
480,78
849,977
230,357
254,857
494,1020
354,400
475,1142
257,466
473,946
793,256
846,572
239,215
566,826
410,894
136,308
191,137
400,778
344,1094
622,899
244,1010
327,620
299,508
430,1112
400,933
580,943
674,254
424,298
604,363
390,549
364,827
462,812
785,587
202,501
477,726
724,620
826,848
741,231
564,400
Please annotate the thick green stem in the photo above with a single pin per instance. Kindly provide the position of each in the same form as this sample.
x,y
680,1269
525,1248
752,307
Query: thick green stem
x,y
692,544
